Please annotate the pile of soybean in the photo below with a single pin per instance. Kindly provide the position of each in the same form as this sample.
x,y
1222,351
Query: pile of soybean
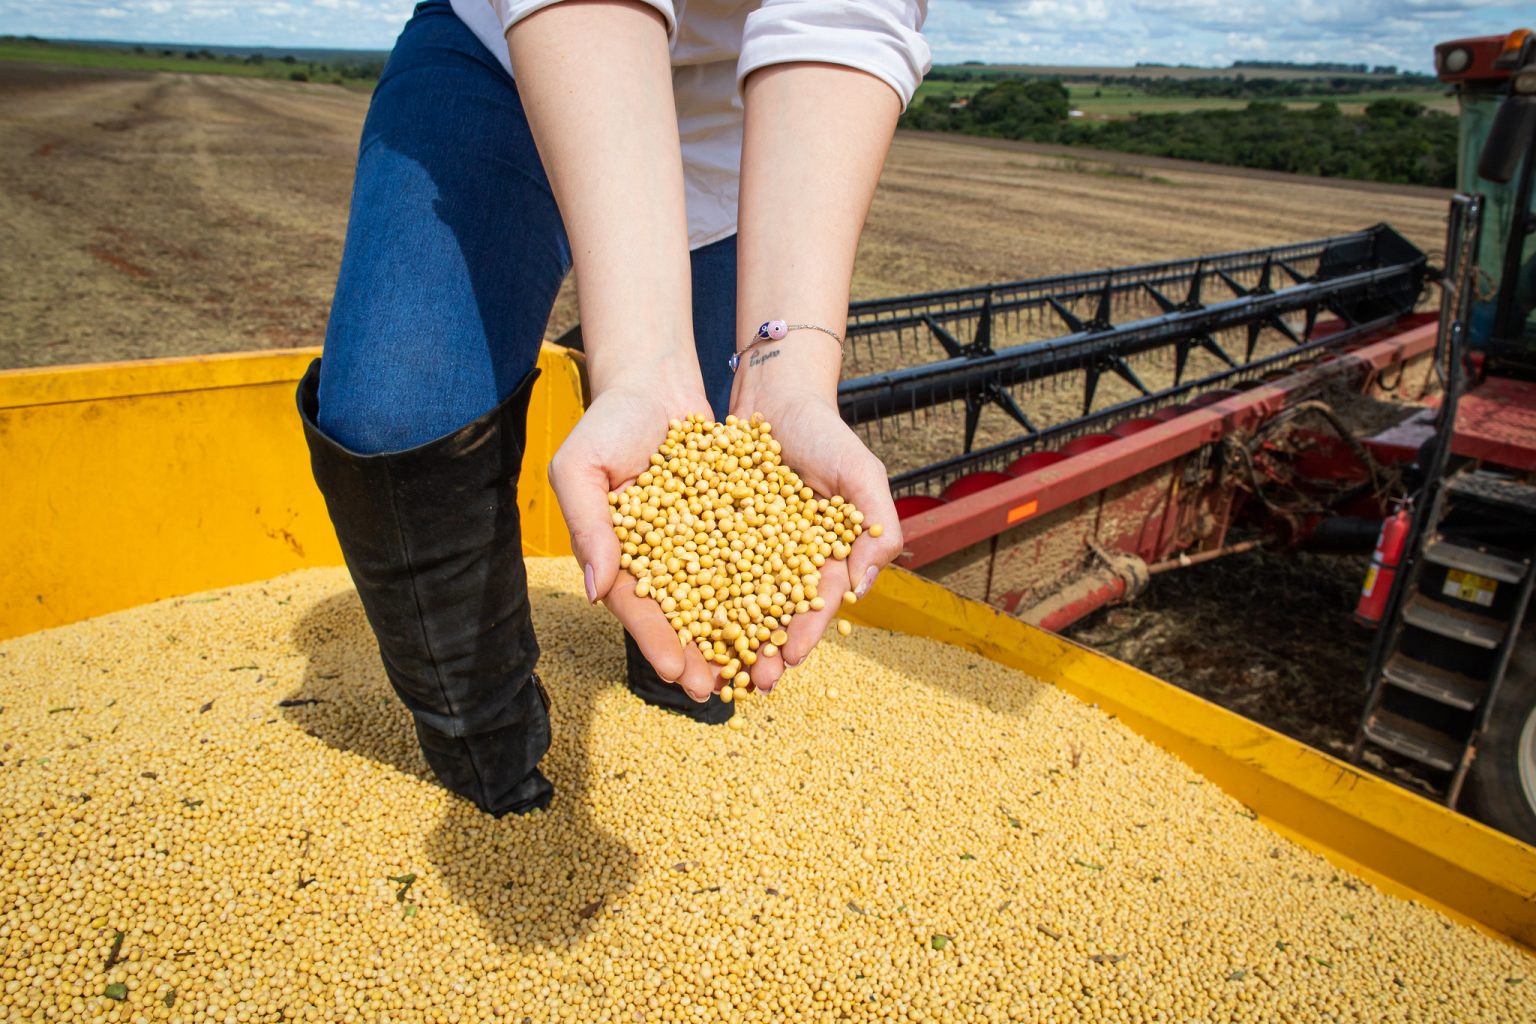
x,y
214,810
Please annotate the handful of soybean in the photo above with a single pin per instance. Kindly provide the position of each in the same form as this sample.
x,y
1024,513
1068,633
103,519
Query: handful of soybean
x,y
729,541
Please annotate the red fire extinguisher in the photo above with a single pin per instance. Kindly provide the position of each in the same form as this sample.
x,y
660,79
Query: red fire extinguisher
x,y
1384,563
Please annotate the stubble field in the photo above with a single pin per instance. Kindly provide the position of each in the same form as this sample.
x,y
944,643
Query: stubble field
x,y
155,214
146,215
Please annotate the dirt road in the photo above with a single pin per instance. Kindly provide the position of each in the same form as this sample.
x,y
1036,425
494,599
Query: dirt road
x,y
148,215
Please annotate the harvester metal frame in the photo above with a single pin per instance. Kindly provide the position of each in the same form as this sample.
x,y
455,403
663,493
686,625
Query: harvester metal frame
x,y
1081,514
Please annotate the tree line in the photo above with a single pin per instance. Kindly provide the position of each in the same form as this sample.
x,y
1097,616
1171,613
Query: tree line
x,y
1235,86
361,70
1394,140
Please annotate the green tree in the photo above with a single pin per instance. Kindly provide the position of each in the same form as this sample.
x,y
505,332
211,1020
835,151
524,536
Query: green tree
x,y
1393,109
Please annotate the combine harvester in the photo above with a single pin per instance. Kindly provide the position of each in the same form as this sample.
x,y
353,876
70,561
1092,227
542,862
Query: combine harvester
x,y
1108,426
1245,384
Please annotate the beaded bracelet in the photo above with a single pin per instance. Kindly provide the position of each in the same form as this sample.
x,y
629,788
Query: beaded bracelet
x,y
775,330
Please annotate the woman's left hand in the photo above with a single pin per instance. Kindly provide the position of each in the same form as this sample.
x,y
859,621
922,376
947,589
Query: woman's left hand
x,y
830,459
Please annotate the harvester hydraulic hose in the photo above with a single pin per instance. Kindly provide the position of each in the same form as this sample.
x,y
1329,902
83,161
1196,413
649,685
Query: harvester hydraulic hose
x,y
1325,410
1245,457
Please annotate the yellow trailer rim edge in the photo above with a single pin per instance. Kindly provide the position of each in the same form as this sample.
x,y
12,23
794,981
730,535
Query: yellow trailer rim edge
x,y
88,382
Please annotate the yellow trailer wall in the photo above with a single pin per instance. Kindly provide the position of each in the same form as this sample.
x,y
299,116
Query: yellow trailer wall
x,y
128,483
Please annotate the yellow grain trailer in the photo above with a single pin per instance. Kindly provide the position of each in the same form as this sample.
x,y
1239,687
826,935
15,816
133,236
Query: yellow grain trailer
x,y
128,483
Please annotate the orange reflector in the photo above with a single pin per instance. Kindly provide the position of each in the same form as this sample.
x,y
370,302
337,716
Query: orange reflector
x,y
1513,42
1023,511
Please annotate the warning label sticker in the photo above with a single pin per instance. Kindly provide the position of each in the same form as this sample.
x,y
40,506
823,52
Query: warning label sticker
x,y
1467,586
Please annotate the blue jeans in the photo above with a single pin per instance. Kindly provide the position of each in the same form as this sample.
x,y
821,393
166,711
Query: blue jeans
x,y
455,251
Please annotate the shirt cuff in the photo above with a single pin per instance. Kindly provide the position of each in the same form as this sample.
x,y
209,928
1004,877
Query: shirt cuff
x,y
512,11
880,37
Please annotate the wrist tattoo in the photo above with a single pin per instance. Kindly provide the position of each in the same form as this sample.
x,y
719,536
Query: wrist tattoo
x,y
776,330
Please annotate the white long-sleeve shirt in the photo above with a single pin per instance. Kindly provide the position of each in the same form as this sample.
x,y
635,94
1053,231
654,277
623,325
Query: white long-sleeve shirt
x,y
715,44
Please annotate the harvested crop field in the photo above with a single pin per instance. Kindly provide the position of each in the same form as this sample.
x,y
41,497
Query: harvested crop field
x,y
216,810
155,214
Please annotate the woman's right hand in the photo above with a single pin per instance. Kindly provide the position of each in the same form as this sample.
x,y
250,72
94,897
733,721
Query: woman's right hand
x,y
608,449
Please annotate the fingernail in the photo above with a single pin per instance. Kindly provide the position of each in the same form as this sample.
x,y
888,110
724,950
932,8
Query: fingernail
x,y
591,578
795,663
868,581
765,687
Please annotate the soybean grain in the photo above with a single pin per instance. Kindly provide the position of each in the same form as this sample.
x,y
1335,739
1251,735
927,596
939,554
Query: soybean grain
x,y
683,873
729,541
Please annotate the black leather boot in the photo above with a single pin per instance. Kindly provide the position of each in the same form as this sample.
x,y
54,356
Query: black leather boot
x,y
432,540
648,686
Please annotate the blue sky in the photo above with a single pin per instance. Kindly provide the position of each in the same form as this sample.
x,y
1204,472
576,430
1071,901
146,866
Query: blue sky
x,y
1106,32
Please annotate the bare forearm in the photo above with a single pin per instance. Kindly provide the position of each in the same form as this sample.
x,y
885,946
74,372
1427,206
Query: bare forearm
x,y
816,138
596,84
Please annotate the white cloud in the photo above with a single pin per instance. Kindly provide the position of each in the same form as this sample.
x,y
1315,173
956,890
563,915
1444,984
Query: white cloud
x,y
342,24
1211,32
1093,32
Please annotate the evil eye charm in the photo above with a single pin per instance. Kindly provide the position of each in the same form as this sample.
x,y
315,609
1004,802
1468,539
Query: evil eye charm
x,y
775,329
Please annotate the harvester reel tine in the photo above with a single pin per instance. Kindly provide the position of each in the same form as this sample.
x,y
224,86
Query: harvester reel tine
x,y
950,343
1164,303
1074,324
1196,283
1090,385
982,342
973,404
1213,346
1265,285
1279,324
1232,283
1103,318
1009,405
1123,368
1297,277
